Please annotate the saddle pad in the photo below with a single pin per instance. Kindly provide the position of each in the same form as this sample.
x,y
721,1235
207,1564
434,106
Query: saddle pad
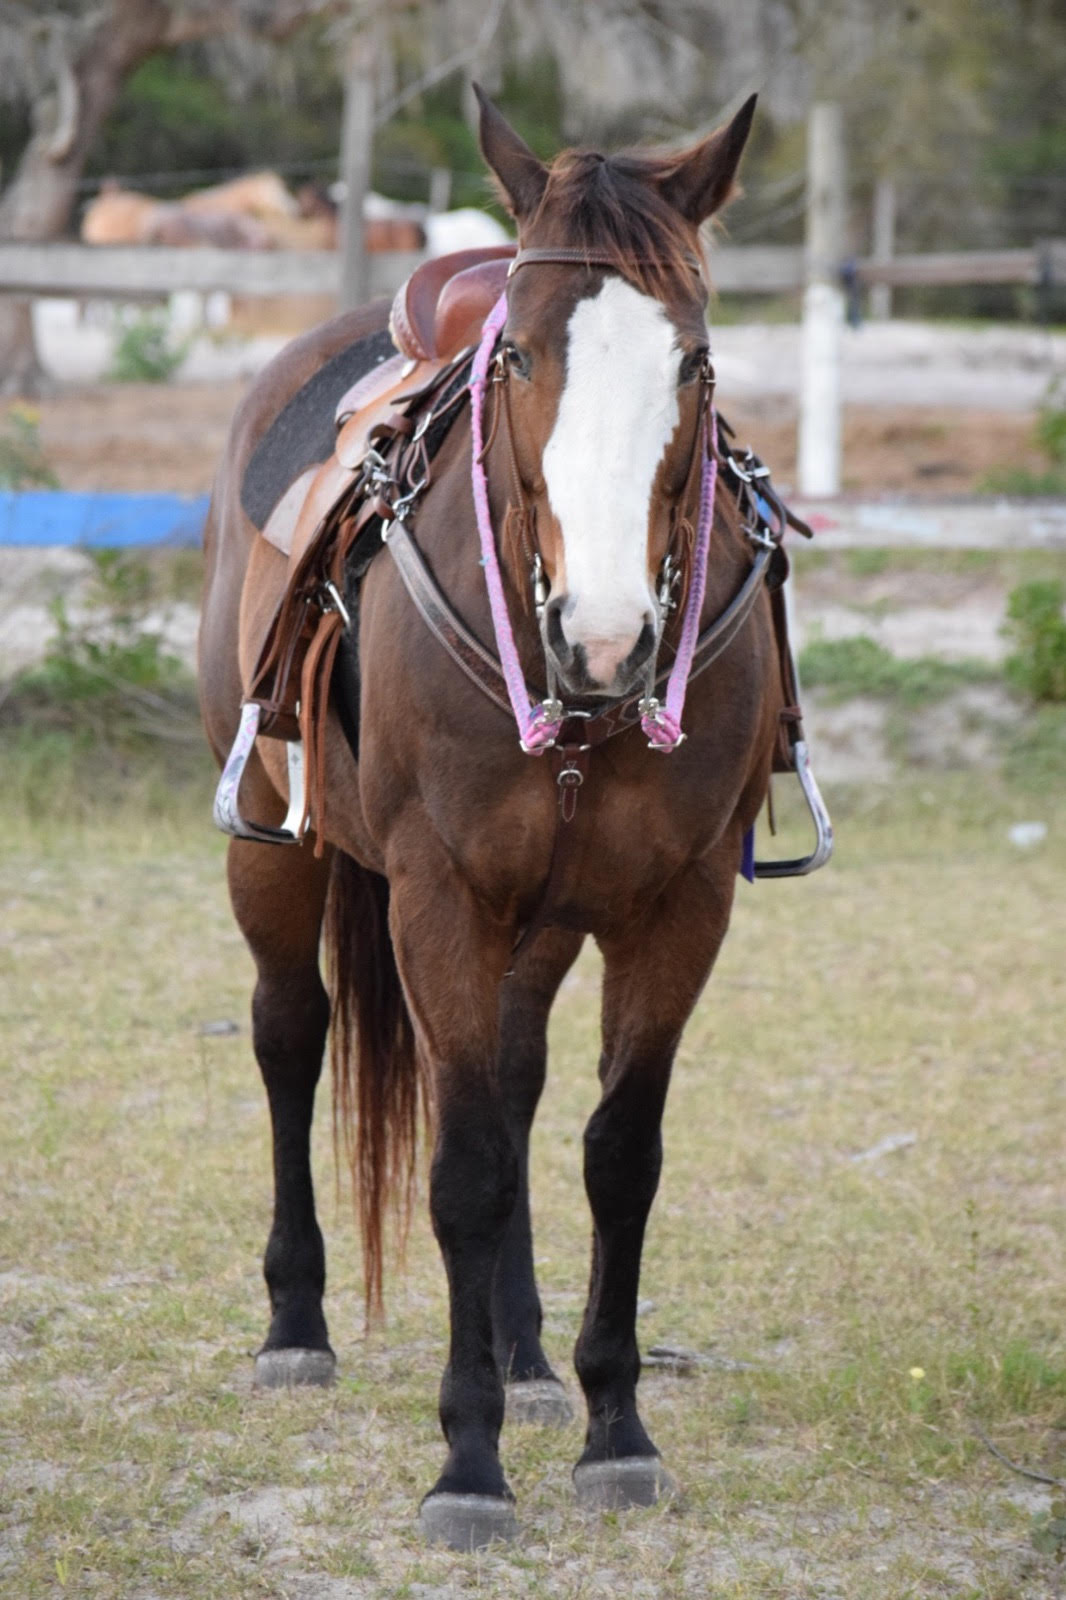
x,y
304,433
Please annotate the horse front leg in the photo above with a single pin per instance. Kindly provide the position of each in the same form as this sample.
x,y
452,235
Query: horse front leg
x,y
534,1393
653,977
452,958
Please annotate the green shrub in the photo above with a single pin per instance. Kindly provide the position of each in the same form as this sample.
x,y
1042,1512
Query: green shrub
x,y
1050,435
108,677
1021,481
1051,423
22,462
145,352
860,665
1037,625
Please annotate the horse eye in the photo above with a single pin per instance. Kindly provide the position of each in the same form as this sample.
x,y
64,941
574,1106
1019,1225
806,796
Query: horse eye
x,y
518,360
692,365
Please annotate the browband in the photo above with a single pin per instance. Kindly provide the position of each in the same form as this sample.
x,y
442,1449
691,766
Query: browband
x,y
575,256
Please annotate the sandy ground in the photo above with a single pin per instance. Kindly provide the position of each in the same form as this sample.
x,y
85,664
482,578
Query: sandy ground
x,y
150,436
928,408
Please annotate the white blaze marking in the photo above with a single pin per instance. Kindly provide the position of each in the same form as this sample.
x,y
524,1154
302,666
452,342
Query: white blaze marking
x,y
617,413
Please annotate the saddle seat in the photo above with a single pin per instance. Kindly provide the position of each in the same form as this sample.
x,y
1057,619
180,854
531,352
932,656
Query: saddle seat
x,y
443,305
437,313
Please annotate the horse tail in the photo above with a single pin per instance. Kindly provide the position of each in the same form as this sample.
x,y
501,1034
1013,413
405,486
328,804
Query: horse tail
x,y
378,1084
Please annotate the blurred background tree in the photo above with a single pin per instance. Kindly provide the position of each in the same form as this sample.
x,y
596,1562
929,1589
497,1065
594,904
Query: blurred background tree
x,y
959,101
65,64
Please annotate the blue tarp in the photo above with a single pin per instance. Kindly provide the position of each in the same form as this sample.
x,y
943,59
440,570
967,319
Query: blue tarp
x,y
103,521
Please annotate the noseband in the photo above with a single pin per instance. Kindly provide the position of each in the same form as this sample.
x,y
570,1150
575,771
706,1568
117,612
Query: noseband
x,y
540,722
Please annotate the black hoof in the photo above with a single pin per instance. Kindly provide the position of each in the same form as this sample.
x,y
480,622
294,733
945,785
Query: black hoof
x,y
467,1521
295,1369
627,1481
540,1400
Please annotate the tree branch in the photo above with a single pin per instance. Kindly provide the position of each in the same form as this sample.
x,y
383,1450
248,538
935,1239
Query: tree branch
x,y
1023,1472
276,23
488,27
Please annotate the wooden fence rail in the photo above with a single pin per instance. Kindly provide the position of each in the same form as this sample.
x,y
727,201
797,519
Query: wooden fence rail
x,y
131,272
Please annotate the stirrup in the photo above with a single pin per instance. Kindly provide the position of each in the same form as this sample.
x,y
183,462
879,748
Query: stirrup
x,y
799,866
227,811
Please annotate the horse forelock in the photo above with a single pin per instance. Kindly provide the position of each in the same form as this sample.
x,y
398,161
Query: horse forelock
x,y
613,205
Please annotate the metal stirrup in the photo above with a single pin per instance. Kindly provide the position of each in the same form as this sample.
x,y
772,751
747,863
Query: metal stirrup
x,y
227,811
799,866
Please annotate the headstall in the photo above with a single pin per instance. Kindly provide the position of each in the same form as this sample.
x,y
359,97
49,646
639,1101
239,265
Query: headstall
x,y
539,723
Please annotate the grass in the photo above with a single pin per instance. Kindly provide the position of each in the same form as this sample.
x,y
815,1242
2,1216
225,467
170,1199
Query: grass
x,y
23,464
1021,481
146,351
860,666
915,986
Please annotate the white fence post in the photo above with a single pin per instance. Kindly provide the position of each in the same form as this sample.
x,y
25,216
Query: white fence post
x,y
823,306
357,140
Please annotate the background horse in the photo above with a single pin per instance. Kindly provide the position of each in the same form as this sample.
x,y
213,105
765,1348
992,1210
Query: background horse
x,y
439,837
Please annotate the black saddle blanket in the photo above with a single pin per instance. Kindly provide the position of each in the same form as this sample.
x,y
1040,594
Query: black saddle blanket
x,y
303,433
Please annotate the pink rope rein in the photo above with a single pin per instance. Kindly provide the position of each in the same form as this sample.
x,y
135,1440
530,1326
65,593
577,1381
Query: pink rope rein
x,y
537,729
663,725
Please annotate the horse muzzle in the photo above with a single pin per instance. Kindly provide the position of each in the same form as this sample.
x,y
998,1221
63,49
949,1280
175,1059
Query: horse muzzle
x,y
591,664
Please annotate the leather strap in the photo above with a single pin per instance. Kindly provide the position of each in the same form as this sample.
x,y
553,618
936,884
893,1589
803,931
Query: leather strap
x,y
467,651
314,687
575,256
483,669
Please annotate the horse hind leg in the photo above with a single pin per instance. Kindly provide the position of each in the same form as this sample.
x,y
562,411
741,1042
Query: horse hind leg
x,y
278,898
653,977
534,1393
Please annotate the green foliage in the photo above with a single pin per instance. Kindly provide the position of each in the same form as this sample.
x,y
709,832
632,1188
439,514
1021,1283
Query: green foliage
x,y
178,113
145,352
1018,1379
1048,1531
1050,435
22,462
1022,482
433,131
868,563
1036,755
1051,423
860,665
1037,624
107,677
1051,432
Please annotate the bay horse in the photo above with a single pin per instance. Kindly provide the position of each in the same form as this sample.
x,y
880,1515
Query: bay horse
x,y
436,832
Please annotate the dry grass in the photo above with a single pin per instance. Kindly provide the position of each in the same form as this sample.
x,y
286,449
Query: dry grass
x,y
914,988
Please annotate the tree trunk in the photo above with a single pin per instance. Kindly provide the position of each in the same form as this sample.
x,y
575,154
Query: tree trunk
x,y
38,202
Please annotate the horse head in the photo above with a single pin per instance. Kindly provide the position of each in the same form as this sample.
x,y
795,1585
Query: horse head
x,y
606,362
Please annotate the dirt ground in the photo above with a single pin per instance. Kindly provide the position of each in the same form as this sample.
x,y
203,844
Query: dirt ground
x,y
170,437
858,1235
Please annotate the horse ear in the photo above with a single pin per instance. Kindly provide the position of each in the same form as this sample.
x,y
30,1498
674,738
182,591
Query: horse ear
x,y
703,180
521,175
